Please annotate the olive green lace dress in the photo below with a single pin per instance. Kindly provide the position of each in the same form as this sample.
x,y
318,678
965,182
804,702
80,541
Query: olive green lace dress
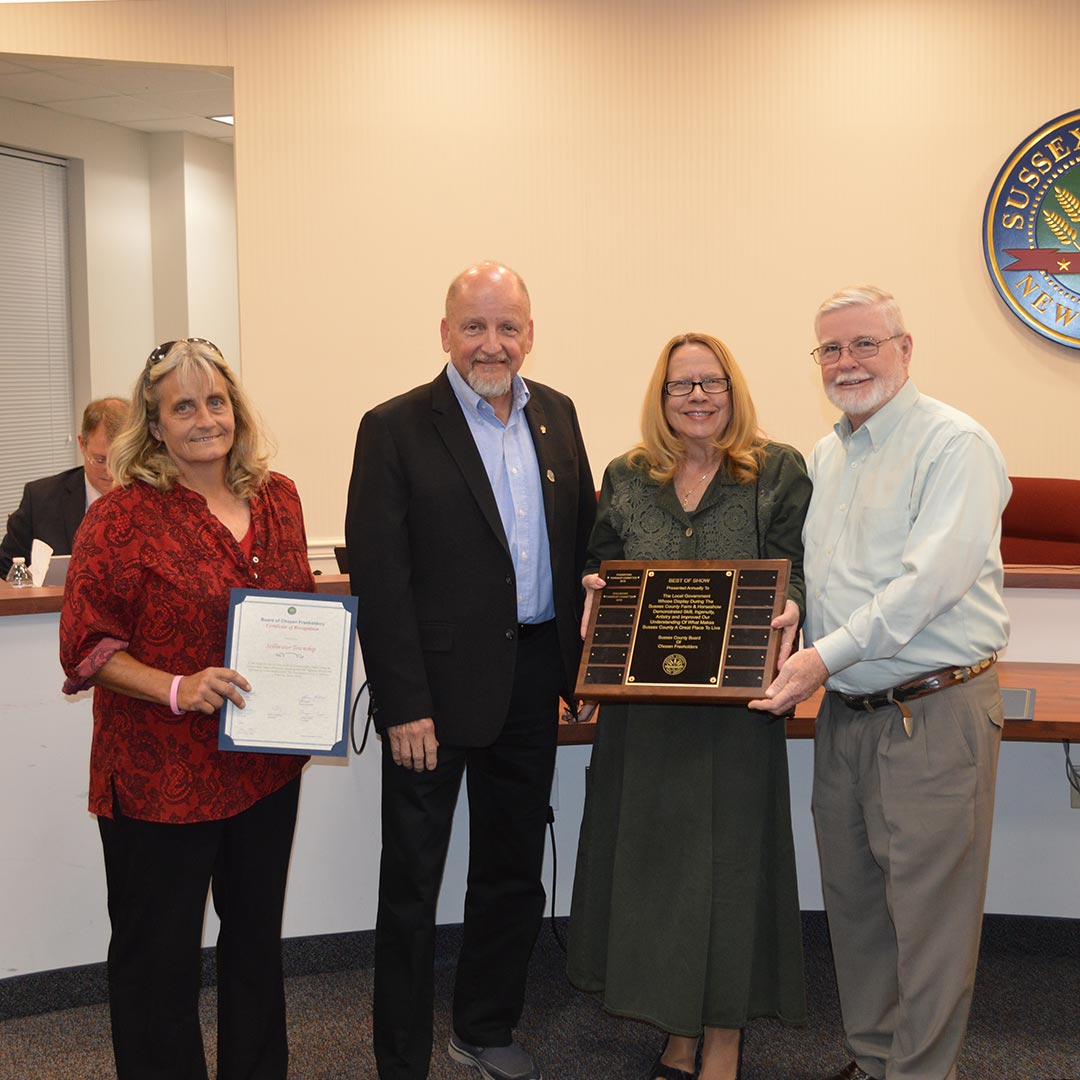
x,y
685,908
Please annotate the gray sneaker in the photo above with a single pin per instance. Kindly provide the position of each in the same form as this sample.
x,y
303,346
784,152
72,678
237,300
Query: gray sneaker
x,y
511,1062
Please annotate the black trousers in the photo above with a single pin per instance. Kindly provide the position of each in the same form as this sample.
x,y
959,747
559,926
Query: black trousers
x,y
509,788
157,878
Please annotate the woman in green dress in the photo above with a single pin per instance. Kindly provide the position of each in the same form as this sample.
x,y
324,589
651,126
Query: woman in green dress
x,y
685,909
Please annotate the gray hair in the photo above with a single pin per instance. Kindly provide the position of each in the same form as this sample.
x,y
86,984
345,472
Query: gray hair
x,y
864,296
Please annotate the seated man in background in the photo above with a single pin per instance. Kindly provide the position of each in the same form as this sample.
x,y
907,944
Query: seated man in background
x,y
52,508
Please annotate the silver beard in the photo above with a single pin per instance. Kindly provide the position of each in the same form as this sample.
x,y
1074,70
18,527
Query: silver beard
x,y
865,400
489,384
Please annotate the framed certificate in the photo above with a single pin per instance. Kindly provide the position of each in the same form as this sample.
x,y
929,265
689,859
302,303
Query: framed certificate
x,y
685,631
296,650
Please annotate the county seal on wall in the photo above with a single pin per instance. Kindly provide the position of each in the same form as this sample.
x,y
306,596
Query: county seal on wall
x,y
1031,231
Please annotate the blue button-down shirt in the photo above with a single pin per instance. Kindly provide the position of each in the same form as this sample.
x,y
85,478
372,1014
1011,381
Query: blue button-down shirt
x,y
903,564
509,458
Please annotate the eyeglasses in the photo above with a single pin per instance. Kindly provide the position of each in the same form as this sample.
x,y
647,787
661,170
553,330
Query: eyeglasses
x,y
862,348
162,351
683,387
95,459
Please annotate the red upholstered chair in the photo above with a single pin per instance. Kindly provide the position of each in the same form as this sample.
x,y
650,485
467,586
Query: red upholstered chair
x,y
1041,524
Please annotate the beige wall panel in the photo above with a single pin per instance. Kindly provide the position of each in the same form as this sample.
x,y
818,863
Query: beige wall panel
x,y
157,31
649,166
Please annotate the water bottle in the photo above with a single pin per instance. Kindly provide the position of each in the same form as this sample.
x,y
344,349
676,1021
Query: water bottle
x,y
20,574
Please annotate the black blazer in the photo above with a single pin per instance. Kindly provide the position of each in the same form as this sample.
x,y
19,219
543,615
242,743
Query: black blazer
x,y
52,509
430,563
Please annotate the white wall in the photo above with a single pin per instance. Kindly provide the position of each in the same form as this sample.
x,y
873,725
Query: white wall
x,y
168,231
193,224
210,216
50,854
1033,868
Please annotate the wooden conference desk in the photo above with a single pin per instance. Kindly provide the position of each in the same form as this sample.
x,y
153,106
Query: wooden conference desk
x,y
1057,707
1057,686
54,900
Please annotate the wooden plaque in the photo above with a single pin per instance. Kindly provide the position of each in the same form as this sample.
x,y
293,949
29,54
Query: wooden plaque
x,y
690,632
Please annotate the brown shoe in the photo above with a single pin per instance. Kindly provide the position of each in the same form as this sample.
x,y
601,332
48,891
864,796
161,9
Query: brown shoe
x,y
850,1071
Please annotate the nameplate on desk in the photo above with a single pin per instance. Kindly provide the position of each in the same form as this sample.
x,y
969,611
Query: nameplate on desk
x,y
683,631
1019,704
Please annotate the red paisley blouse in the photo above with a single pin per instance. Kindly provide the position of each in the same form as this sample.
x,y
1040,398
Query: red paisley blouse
x,y
150,573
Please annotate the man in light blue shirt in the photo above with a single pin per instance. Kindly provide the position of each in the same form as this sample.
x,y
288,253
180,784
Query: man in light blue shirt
x,y
904,619
470,508
509,458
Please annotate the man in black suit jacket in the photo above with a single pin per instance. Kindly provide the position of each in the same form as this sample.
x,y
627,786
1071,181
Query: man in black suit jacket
x,y
52,508
470,507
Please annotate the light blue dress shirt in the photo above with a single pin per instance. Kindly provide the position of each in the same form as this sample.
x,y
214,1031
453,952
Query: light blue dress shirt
x,y
509,458
903,560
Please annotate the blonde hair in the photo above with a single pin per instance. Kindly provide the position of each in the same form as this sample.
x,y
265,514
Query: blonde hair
x,y
138,455
741,444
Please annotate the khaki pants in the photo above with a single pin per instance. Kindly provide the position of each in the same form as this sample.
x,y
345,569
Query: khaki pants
x,y
903,829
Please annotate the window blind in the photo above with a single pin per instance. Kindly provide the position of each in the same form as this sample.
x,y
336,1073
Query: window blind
x,y
37,434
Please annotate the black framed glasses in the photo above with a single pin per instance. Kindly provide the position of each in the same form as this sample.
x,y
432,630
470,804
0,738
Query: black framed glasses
x,y
861,348
162,351
683,387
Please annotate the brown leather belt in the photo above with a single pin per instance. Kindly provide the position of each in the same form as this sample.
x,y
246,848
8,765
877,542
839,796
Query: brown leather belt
x,y
923,686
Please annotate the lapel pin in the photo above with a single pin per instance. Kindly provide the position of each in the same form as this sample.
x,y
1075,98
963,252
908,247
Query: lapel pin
x,y
543,429
551,476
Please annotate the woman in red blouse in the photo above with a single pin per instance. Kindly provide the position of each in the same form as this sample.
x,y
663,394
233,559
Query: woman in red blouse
x,y
196,513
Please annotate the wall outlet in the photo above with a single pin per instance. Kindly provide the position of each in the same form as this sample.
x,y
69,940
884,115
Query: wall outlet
x,y
554,803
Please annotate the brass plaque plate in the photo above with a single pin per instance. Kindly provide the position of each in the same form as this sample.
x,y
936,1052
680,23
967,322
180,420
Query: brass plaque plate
x,y
689,632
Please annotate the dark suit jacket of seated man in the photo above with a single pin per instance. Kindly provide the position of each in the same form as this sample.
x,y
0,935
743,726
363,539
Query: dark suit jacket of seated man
x,y
52,508
440,566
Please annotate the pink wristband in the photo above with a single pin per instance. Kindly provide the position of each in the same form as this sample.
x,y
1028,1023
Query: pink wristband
x,y
172,695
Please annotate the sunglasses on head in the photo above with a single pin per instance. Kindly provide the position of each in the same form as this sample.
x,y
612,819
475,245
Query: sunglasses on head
x,y
162,351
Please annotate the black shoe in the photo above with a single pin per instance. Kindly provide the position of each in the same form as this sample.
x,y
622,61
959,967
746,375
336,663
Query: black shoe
x,y
659,1071
850,1071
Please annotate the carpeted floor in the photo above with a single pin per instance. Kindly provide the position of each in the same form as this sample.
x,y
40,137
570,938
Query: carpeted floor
x,y
1025,1022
